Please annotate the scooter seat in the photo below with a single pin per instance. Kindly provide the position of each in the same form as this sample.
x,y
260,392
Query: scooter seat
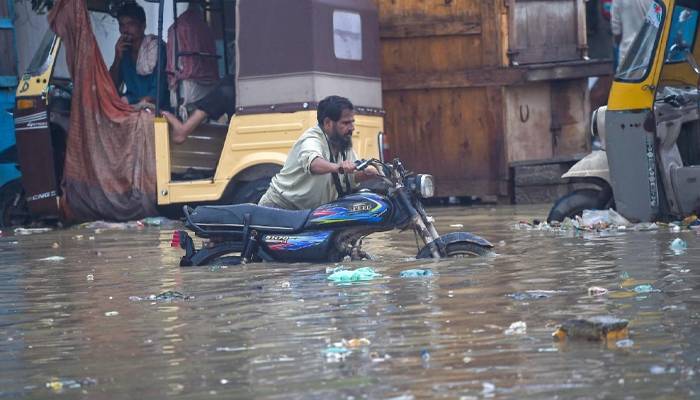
x,y
261,218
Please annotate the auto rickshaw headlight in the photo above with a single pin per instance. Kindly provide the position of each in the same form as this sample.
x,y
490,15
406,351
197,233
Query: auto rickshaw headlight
x,y
25,104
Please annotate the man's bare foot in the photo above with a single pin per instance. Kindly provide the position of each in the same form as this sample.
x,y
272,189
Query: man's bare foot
x,y
178,132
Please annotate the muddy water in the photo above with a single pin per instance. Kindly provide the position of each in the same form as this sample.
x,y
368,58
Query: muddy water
x,y
83,325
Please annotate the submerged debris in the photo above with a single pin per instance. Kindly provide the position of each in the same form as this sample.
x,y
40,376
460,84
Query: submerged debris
x,y
166,296
593,329
533,295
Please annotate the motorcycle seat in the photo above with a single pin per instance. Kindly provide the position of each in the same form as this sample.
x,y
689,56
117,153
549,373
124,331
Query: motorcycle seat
x,y
261,218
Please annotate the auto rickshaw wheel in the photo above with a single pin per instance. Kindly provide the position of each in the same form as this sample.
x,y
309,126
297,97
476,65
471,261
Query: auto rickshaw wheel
x,y
575,202
13,205
250,192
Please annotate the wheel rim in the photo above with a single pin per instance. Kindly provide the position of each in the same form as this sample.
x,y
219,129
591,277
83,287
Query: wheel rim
x,y
462,254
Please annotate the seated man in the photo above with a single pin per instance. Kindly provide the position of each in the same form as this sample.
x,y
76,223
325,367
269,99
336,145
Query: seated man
x,y
215,104
197,70
310,176
135,59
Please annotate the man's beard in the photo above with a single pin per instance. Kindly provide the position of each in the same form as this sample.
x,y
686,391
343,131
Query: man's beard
x,y
341,142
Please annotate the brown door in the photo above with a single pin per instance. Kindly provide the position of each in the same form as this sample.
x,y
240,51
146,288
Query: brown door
x,y
544,31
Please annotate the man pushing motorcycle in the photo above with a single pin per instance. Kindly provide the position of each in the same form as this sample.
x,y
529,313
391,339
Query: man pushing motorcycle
x,y
320,167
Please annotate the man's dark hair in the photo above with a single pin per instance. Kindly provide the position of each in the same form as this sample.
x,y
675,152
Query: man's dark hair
x,y
133,10
332,107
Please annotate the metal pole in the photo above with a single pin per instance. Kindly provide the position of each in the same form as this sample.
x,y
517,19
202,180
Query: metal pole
x,y
176,56
159,64
223,30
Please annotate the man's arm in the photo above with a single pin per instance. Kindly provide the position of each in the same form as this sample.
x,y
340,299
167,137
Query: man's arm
x,y
321,166
616,21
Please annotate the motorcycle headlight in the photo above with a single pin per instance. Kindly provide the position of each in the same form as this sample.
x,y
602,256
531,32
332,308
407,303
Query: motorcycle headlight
x,y
426,185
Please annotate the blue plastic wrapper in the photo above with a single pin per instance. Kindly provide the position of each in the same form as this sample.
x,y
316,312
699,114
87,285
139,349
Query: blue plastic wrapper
x,y
360,274
416,273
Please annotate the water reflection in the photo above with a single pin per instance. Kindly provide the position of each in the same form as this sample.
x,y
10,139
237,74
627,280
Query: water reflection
x,y
263,330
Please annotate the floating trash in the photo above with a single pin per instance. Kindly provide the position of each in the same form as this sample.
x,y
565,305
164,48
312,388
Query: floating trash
x,y
457,226
678,245
516,328
356,343
593,329
488,389
602,219
58,385
425,355
376,357
597,291
53,258
645,289
31,231
336,354
657,370
416,273
360,274
90,277
624,343
111,313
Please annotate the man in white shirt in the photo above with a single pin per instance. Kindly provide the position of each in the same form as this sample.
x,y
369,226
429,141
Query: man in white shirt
x,y
627,18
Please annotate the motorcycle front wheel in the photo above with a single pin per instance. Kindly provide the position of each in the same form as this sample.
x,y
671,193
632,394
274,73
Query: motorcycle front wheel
x,y
459,250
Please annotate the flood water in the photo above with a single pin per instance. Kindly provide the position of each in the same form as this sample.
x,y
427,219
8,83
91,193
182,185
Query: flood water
x,y
81,324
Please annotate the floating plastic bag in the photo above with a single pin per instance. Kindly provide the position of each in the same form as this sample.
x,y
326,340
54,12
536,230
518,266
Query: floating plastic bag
x,y
360,274
604,218
678,245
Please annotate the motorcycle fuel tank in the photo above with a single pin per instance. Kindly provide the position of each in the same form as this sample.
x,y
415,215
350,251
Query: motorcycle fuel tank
x,y
354,210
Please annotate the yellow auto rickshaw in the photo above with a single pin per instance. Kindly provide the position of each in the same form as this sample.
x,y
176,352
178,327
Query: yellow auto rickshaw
x,y
289,55
648,166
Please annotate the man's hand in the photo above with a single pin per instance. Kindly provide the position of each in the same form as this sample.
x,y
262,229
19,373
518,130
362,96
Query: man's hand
x,y
367,173
123,45
346,167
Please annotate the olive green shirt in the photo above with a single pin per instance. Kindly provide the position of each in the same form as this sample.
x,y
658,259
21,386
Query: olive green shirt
x,y
295,187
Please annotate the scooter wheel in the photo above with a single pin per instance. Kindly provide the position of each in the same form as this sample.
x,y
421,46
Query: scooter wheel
x,y
13,206
575,202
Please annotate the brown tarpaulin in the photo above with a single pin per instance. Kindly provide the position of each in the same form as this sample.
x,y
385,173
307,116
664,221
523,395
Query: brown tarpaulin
x,y
110,160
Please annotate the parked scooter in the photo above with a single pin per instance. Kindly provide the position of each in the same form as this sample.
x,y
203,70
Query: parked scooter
x,y
328,233
649,163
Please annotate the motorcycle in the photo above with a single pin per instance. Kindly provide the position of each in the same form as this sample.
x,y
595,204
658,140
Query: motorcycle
x,y
328,233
